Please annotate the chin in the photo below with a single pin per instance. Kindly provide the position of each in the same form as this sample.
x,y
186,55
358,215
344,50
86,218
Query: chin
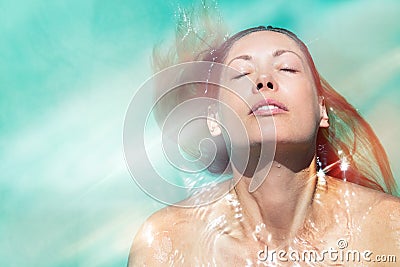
x,y
265,137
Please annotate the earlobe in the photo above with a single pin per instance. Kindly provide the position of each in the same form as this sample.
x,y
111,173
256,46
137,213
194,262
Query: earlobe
x,y
325,120
212,122
324,123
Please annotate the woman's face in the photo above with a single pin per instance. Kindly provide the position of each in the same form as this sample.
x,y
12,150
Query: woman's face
x,y
282,97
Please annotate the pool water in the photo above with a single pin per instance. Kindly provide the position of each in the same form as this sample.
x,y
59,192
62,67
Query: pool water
x,y
68,72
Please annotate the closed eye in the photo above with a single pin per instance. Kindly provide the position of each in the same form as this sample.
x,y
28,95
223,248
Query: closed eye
x,y
240,75
290,70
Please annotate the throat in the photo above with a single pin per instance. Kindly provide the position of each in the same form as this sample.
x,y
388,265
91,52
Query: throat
x,y
281,203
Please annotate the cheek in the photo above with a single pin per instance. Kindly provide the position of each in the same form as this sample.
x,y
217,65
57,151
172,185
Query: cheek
x,y
303,97
304,108
230,109
230,104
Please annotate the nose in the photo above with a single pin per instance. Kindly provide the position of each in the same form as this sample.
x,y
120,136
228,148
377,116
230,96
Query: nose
x,y
266,83
269,85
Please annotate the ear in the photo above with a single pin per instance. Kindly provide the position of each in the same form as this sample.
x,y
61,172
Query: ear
x,y
212,122
324,123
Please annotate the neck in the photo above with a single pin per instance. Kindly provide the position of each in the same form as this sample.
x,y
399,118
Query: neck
x,y
283,198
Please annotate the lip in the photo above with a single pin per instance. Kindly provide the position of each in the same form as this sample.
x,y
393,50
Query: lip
x,y
281,108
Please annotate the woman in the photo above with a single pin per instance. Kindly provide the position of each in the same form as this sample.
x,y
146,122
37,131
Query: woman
x,y
321,193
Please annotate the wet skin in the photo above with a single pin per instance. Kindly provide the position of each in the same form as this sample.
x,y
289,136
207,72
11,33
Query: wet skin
x,y
365,218
289,209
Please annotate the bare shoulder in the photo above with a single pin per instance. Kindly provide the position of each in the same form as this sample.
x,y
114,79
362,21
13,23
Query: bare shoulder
x,y
380,202
156,239
371,207
375,214
383,227
385,211
171,232
384,215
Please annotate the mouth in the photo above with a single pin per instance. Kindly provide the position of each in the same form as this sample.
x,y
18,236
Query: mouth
x,y
268,107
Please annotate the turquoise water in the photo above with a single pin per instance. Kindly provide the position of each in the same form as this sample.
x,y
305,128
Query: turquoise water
x,y
68,71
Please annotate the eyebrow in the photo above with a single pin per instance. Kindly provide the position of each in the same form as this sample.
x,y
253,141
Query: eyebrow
x,y
279,52
276,53
244,57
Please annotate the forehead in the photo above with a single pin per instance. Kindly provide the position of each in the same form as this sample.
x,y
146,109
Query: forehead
x,y
263,42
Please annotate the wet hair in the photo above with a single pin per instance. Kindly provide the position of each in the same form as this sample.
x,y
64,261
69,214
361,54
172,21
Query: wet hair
x,y
349,140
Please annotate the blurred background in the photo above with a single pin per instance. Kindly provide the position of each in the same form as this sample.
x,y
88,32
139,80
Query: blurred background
x,y
68,70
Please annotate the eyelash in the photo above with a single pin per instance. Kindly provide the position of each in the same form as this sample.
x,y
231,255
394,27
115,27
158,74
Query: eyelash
x,y
283,69
240,76
290,70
